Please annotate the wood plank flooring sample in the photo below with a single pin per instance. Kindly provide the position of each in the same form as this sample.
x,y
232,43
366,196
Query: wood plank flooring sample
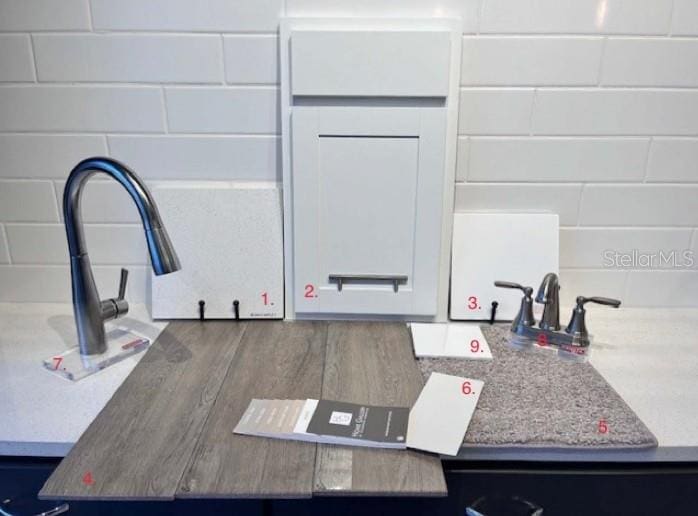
x,y
372,362
139,445
275,360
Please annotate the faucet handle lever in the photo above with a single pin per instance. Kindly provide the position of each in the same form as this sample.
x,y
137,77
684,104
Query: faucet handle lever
x,y
581,301
508,284
122,284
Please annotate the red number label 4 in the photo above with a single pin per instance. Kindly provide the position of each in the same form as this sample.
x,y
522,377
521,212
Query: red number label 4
x,y
87,479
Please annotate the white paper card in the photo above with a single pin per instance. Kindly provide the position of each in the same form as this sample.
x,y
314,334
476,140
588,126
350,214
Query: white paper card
x,y
440,417
450,340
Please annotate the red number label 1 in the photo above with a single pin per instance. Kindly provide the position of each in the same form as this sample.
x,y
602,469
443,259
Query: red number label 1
x,y
466,388
474,346
265,298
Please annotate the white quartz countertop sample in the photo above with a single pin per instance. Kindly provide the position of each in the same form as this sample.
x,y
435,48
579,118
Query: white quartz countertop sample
x,y
42,413
649,356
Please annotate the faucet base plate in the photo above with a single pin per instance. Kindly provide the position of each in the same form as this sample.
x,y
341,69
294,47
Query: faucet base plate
x,y
121,344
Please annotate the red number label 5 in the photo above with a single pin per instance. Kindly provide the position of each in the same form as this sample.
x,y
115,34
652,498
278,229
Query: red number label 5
x,y
603,426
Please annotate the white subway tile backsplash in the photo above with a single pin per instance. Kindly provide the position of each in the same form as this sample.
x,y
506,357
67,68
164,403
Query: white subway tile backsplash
x,y
4,250
16,62
685,20
223,110
51,284
616,112
27,201
46,155
200,157
676,288
650,62
183,58
462,158
530,61
80,108
187,15
529,159
466,10
580,282
104,201
576,16
251,59
673,159
106,244
495,111
36,15
560,199
639,205
595,248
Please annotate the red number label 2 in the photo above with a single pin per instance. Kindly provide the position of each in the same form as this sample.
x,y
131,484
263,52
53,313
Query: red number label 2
x,y
310,291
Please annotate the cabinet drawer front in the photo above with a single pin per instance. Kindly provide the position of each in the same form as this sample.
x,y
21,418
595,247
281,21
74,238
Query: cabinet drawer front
x,y
367,199
370,63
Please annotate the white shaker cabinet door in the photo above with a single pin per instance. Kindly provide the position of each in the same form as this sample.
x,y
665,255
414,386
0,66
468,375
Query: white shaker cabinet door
x,y
367,209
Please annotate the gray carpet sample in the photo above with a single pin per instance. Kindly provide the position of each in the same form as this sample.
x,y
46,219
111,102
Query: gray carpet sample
x,y
536,399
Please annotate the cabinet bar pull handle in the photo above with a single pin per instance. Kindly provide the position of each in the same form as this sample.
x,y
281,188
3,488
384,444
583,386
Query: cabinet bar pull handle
x,y
340,279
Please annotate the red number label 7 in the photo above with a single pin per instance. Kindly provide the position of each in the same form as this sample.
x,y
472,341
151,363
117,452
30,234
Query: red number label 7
x,y
57,362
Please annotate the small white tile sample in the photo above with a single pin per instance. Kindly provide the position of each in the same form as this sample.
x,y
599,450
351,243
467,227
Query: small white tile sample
x,y
81,108
251,59
184,58
221,110
46,155
187,15
229,241
675,288
252,158
685,20
16,62
27,201
520,197
595,248
650,62
530,61
494,111
576,16
441,415
35,15
488,247
467,10
673,160
616,112
106,244
449,340
639,205
534,159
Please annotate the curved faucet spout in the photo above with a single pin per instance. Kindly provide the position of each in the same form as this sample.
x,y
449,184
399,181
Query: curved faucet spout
x,y
549,295
90,312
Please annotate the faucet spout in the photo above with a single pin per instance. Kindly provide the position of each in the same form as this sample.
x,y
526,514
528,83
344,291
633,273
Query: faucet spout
x,y
549,295
90,312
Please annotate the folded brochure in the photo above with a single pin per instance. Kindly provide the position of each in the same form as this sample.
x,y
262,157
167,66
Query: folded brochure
x,y
437,422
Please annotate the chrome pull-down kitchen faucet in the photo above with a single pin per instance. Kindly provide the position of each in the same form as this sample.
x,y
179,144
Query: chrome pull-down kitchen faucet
x,y
90,312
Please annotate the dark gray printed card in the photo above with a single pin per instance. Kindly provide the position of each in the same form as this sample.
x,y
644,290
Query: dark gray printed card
x,y
363,422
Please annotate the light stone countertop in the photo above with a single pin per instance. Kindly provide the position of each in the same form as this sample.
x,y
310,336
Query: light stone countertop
x,y
42,413
650,357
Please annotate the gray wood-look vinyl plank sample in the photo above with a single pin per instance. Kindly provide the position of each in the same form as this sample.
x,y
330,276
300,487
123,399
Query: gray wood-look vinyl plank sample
x,y
373,363
275,360
141,442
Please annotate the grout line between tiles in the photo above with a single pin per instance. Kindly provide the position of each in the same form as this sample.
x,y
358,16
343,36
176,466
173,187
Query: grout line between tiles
x,y
647,159
33,52
4,235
